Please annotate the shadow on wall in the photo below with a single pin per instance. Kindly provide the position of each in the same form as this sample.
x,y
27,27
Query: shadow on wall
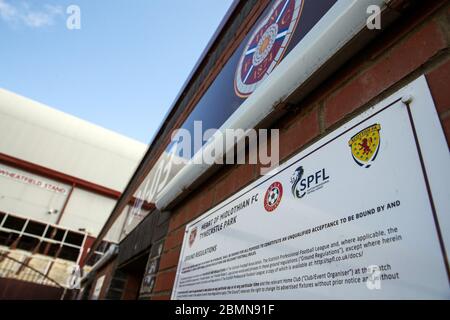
x,y
12,289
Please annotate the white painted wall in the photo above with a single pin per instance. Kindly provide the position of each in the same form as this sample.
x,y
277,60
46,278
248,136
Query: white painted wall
x,y
28,200
114,233
39,134
35,133
87,210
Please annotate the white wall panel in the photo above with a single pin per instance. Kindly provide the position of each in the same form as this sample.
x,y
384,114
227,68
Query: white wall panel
x,y
29,200
114,233
38,134
87,210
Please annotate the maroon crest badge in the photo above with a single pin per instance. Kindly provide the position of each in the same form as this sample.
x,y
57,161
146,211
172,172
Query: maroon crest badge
x,y
267,46
192,236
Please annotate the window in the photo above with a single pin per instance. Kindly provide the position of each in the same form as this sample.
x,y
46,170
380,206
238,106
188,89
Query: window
x,y
27,243
35,228
58,234
69,253
14,223
54,248
74,238
4,236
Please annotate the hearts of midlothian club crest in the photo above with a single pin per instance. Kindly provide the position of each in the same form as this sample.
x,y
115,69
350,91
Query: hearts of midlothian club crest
x,y
365,145
192,236
267,45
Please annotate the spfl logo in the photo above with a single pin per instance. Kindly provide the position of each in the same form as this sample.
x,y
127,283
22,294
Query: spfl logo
x,y
365,145
301,186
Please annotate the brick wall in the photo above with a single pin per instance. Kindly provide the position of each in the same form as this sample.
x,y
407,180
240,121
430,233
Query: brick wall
x,y
415,45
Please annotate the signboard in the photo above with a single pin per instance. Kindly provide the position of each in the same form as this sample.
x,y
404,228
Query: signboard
x,y
32,180
98,288
149,279
280,28
361,214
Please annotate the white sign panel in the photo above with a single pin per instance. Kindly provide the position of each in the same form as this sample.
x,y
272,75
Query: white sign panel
x,y
361,214
98,288
32,180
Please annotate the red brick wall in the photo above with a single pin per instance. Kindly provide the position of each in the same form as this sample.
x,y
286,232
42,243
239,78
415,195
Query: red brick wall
x,y
132,286
415,45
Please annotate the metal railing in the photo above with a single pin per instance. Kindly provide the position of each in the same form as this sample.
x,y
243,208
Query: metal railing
x,y
12,268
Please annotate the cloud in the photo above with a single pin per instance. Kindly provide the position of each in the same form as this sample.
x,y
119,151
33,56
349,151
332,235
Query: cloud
x,y
30,17
7,11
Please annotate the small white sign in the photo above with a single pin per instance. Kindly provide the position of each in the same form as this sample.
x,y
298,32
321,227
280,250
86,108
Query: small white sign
x,y
98,288
361,214
32,180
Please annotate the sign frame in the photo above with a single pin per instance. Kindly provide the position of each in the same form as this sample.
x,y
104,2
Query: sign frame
x,y
431,146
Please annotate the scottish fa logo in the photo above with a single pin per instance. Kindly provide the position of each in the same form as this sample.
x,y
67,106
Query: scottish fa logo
x,y
365,145
273,196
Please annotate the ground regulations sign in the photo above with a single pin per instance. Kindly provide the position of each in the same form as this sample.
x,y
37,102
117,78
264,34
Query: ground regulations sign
x,y
362,213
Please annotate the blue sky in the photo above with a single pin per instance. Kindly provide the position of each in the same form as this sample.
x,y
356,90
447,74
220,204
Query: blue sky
x,y
122,70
